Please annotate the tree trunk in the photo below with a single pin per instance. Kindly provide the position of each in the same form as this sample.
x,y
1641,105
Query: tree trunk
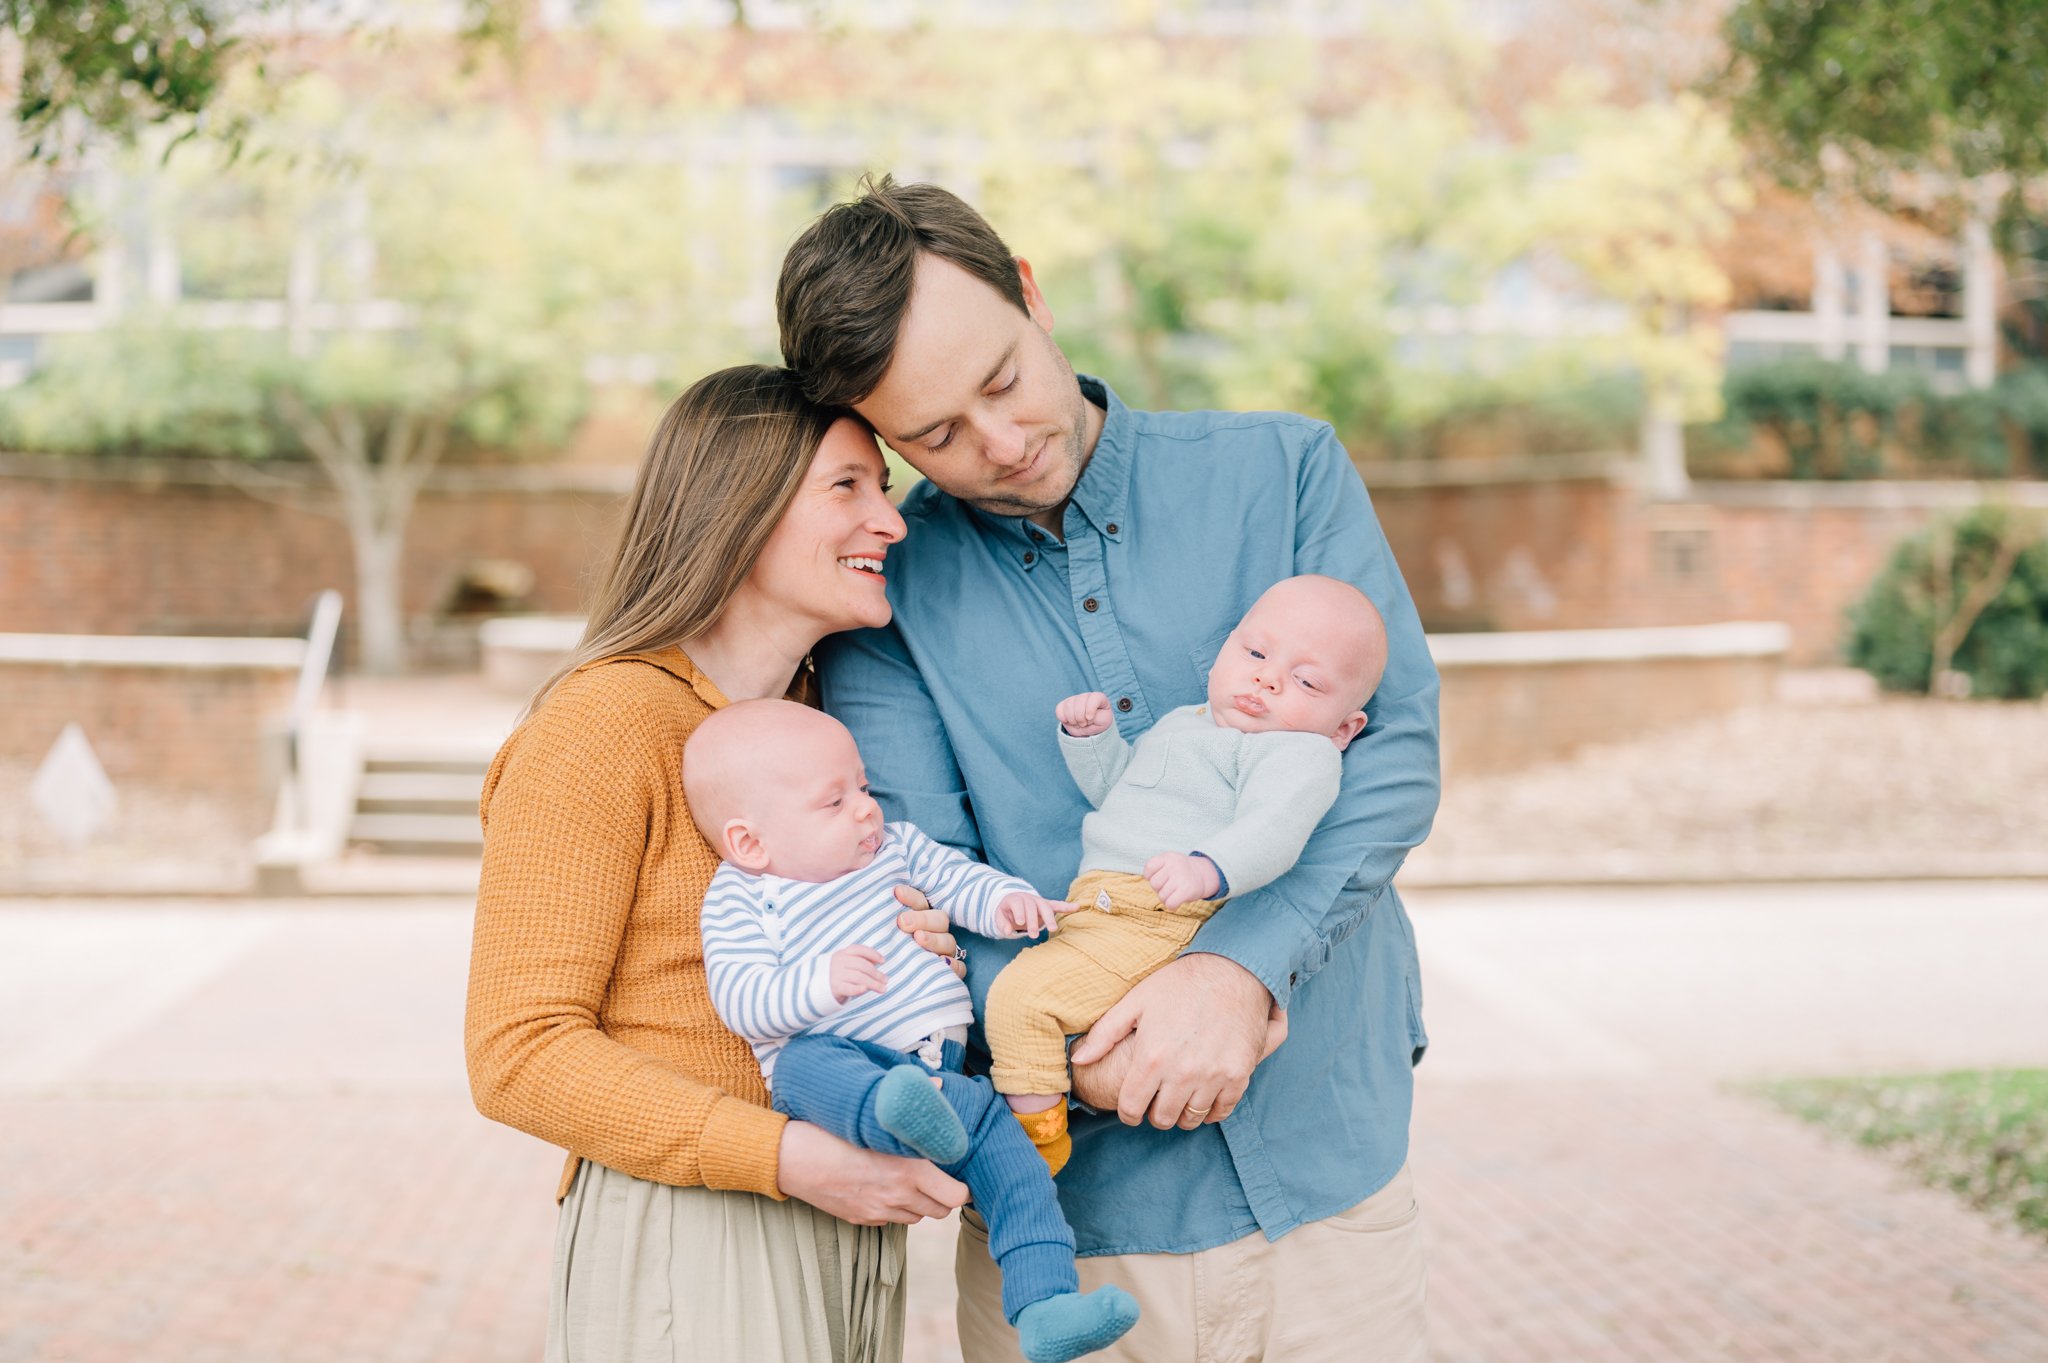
x,y
376,495
380,611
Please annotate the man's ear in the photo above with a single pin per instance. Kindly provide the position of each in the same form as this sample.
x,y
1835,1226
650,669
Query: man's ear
x,y
1352,727
1034,301
743,847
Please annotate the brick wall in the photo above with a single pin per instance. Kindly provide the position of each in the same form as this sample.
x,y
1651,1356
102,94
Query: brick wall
x,y
1576,547
197,731
153,547
160,547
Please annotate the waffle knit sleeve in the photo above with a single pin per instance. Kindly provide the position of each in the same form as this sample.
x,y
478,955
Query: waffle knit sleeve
x,y
567,818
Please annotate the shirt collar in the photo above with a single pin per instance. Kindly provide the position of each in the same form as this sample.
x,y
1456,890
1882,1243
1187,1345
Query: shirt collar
x,y
1103,494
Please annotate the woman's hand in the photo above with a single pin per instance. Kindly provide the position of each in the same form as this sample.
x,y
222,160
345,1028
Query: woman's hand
x,y
929,928
861,1186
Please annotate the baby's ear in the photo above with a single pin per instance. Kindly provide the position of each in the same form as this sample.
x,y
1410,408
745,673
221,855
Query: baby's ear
x,y
1352,727
743,847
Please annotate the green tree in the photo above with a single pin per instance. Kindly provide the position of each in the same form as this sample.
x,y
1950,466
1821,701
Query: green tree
x,y
115,65
1961,608
1882,86
463,279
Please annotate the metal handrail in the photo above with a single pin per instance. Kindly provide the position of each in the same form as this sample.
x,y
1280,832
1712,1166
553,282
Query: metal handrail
x,y
320,636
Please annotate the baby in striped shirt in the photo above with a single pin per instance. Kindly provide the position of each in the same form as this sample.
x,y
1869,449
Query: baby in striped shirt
x,y
858,1029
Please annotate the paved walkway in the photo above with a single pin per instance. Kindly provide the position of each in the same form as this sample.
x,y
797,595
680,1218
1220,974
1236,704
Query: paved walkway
x,y
241,1133
1595,1192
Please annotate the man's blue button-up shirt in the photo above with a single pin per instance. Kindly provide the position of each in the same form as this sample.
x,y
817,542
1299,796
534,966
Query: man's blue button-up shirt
x,y
1179,521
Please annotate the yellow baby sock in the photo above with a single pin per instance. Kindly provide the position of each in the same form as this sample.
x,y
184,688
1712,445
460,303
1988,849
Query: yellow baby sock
x,y
1048,1131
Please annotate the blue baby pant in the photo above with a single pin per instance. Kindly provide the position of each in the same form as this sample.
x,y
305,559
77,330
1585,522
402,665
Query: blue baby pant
x,y
829,1081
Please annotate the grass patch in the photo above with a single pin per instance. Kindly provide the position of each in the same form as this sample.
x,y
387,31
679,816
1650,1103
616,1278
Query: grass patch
x,y
1981,1134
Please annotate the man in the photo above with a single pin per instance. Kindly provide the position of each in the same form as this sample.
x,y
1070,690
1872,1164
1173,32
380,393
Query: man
x,y
1064,543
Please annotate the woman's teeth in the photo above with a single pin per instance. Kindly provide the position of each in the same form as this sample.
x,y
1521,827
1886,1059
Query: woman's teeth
x,y
863,565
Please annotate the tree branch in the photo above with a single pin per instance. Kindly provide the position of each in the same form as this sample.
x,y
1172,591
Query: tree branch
x,y
266,486
2013,536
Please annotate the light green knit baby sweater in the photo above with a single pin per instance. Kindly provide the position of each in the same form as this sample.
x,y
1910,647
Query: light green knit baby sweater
x,y
1248,802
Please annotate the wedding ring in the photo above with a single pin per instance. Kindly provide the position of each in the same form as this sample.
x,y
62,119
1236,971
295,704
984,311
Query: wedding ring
x,y
1199,1111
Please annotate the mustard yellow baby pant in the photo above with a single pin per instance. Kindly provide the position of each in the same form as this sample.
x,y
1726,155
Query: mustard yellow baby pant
x,y
1059,988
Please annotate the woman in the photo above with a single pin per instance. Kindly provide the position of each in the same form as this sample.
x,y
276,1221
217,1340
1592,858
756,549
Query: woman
x,y
695,1221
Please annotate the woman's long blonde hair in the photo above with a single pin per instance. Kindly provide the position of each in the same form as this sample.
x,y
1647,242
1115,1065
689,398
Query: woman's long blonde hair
x,y
722,467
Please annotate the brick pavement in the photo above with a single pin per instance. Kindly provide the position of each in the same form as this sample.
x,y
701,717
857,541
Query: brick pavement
x,y
1611,1222
225,1229
275,1162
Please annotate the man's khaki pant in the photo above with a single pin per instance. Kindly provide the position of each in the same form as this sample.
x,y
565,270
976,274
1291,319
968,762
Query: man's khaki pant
x,y
1348,1289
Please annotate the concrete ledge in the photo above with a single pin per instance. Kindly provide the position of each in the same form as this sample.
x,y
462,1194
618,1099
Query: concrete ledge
x,y
1877,494
123,650
1788,868
1558,468
538,479
1739,639
520,652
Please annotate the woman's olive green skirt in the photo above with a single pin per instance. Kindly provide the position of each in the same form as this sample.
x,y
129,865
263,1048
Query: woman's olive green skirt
x,y
646,1273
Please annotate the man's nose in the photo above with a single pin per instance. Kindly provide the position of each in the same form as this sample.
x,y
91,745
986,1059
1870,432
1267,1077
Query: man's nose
x,y
1003,442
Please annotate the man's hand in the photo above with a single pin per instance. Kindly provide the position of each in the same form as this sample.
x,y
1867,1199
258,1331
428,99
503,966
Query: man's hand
x,y
856,970
1026,915
1085,715
1180,1047
861,1186
1180,878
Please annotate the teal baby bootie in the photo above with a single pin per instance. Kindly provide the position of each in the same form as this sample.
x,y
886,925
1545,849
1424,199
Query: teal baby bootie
x,y
1075,1323
909,1107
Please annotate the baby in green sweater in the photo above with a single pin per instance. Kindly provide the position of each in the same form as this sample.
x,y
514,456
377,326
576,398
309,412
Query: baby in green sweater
x,y
1214,800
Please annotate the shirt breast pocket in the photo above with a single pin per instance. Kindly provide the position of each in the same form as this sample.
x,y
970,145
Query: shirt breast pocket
x,y
1203,656
1148,762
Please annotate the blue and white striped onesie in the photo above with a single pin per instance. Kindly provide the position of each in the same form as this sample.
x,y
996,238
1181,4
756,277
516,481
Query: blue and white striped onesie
x,y
768,944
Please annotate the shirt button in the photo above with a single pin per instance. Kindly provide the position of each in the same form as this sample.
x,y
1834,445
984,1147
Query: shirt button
x,y
1124,704
1111,527
1038,535
1293,978
1089,605
1030,557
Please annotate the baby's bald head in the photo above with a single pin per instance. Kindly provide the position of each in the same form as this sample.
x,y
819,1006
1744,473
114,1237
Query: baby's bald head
x,y
778,787
1345,618
1306,657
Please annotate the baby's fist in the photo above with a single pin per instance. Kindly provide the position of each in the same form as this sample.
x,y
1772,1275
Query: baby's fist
x,y
856,970
1085,715
1179,878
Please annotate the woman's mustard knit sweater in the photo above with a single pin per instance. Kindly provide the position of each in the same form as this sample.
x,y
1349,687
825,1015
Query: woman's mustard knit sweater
x,y
589,1024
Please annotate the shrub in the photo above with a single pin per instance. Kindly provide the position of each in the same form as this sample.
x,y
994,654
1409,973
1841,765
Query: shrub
x,y
1835,421
1975,588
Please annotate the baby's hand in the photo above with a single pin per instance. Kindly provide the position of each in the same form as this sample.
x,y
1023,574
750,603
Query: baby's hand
x,y
856,970
1084,716
1179,877
1025,915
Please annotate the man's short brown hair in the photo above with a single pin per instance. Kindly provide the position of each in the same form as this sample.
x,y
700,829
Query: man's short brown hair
x,y
846,281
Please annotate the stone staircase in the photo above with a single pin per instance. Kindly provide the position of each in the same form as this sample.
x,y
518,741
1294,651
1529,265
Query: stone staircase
x,y
418,797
